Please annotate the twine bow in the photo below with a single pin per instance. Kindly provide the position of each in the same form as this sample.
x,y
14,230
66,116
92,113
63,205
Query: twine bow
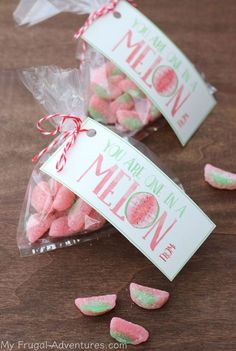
x,y
70,134
105,9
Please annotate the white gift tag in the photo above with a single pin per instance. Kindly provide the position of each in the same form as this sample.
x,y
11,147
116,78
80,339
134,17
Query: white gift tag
x,y
134,195
149,58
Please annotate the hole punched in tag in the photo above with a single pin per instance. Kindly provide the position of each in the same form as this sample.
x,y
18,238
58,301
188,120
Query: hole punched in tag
x,y
117,14
91,133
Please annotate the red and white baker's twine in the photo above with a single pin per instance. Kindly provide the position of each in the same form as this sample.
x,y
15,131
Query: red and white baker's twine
x,y
94,16
71,134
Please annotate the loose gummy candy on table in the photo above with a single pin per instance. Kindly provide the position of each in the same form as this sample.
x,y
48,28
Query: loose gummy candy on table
x,y
127,332
148,298
77,213
64,199
41,198
220,179
37,225
96,305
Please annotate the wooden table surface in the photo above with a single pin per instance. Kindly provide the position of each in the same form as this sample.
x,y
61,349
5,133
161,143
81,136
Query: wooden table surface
x,y
37,293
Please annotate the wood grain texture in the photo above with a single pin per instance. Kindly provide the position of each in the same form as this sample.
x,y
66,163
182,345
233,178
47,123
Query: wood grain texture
x,y
37,293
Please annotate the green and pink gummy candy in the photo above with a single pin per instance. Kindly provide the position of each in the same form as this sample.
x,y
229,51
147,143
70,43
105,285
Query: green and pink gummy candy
x,y
120,329
59,213
96,305
148,298
127,333
116,100
220,179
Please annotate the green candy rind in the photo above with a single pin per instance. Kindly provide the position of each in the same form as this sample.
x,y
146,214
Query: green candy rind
x,y
136,93
131,123
145,298
96,307
124,98
101,92
96,115
121,338
221,179
116,71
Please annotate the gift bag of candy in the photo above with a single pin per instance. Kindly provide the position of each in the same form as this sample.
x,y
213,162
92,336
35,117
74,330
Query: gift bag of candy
x,y
52,215
135,74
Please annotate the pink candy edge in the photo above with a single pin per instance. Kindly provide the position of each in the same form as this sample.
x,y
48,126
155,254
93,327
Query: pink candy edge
x,y
162,294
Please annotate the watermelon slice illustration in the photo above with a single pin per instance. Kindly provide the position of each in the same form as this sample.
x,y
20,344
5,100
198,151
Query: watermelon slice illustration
x,y
142,210
165,81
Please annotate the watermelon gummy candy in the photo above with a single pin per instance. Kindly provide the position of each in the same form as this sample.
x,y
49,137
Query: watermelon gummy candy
x,y
59,228
99,109
76,215
220,179
96,305
123,102
54,186
41,198
94,221
64,199
127,86
127,332
37,226
113,94
129,120
148,298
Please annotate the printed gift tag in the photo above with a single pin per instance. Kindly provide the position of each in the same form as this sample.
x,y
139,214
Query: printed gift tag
x,y
149,58
134,195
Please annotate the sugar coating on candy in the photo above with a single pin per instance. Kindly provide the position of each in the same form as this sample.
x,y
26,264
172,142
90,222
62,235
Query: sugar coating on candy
x,y
219,178
76,215
41,198
64,199
142,210
108,91
127,86
127,333
99,109
148,298
96,305
115,80
59,228
129,120
54,186
165,81
112,70
94,221
123,102
37,226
